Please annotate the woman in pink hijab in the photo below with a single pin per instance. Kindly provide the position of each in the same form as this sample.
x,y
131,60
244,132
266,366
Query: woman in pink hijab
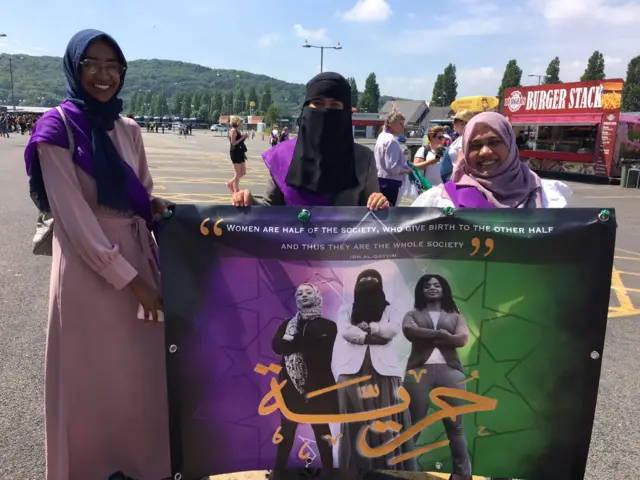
x,y
491,175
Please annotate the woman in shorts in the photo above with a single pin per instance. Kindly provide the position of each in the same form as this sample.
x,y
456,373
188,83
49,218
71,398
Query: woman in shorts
x,y
237,152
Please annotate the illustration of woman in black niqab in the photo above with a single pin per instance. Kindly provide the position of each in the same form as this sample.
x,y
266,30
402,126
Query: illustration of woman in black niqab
x,y
305,343
365,348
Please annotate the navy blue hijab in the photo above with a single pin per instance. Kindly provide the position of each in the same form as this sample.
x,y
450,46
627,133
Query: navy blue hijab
x,y
109,170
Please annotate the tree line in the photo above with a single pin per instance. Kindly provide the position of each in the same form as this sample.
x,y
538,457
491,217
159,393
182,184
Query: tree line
x,y
205,106
445,89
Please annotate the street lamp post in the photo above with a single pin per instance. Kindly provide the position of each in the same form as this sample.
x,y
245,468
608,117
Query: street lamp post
x,y
13,98
308,45
540,77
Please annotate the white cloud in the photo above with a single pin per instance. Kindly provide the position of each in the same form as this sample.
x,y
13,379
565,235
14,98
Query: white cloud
x,y
319,35
417,87
483,80
268,40
367,11
597,11
411,15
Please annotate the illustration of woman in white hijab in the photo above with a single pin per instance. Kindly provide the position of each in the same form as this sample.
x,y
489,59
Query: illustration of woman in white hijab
x,y
305,343
364,347
436,329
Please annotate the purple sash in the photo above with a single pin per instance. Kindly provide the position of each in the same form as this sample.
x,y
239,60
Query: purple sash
x,y
278,159
50,129
466,197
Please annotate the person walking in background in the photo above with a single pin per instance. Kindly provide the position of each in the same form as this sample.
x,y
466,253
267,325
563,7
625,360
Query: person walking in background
x,y
4,126
489,174
450,157
391,164
436,329
275,136
105,394
284,136
238,153
305,343
427,158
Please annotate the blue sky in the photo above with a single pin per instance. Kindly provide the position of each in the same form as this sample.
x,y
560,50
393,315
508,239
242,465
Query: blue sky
x,y
405,42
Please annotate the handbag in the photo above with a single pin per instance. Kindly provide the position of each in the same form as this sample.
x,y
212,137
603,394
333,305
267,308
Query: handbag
x,y
42,243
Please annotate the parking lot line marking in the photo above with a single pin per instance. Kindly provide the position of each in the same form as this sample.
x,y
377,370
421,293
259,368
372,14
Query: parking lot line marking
x,y
631,252
627,258
626,307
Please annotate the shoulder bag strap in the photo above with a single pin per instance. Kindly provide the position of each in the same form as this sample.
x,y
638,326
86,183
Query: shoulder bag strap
x,y
72,146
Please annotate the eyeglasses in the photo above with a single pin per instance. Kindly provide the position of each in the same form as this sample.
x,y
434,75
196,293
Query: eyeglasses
x,y
439,137
94,66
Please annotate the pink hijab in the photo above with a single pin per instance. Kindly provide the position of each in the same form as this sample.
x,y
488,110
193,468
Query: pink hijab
x,y
513,184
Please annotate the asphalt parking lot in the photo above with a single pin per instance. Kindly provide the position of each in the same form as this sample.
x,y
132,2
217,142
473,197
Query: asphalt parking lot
x,y
195,170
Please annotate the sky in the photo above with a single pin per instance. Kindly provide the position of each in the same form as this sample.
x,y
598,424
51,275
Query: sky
x,y
405,42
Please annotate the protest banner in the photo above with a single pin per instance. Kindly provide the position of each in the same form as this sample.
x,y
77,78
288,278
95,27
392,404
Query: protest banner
x,y
411,339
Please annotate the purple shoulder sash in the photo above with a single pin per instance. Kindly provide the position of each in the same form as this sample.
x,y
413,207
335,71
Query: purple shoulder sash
x,y
278,159
50,129
466,197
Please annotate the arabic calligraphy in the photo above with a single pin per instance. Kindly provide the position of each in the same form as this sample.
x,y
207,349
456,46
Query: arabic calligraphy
x,y
348,383
262,370
370,391
478,403
277,436
417,375
274,401
474,376
302,455
333,440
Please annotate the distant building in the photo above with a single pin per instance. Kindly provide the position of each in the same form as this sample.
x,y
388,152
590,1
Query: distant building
x,y
415,112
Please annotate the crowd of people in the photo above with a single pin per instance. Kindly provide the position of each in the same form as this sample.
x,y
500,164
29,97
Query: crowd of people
x,y
17,123
106,393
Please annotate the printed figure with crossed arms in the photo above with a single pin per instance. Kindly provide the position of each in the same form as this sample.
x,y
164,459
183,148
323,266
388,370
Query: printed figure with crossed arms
x,y
305,343
364,348
436,329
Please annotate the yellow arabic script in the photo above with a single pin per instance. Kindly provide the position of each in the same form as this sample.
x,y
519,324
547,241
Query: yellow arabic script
x,y
275,394
478,403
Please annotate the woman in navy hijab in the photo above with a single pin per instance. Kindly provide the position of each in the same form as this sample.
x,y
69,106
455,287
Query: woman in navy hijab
x,y
105,395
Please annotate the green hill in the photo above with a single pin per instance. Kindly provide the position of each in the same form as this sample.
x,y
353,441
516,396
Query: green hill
x,y
38,81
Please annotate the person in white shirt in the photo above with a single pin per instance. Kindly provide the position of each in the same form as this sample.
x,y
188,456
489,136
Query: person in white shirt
x,y
489,174
460,120
365,347
390,160
436,329
427,158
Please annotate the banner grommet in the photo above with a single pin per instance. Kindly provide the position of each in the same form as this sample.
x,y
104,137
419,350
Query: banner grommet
x,y
177,476
595,355
448,211
173,348
604,215
304,216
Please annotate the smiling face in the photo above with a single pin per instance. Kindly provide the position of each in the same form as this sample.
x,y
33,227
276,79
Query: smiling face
x,y
487,150
432,289
305,296
101,71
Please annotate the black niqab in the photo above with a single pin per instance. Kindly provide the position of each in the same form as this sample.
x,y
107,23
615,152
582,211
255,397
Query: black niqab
x,y
324,159
369,300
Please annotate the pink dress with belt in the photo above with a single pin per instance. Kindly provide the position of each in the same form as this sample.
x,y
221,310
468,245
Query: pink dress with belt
x,y
106,398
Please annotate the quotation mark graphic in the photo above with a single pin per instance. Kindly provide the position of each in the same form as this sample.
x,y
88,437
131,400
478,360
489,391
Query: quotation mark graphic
x,y
489,243
217,231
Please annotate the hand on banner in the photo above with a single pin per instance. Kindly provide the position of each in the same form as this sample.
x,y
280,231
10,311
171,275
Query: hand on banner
x,y
148,298
160,206
243,198
377,201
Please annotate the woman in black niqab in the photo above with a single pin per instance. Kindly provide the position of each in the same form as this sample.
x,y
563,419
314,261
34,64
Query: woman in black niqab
x,y
322,166
324,159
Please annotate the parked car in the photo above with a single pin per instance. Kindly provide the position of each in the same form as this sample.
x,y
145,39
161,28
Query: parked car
x,y
219,128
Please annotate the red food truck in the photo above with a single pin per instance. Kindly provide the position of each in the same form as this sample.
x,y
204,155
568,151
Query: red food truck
x,y
567,127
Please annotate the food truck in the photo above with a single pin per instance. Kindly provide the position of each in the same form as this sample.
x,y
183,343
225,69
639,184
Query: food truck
x,y
568,127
